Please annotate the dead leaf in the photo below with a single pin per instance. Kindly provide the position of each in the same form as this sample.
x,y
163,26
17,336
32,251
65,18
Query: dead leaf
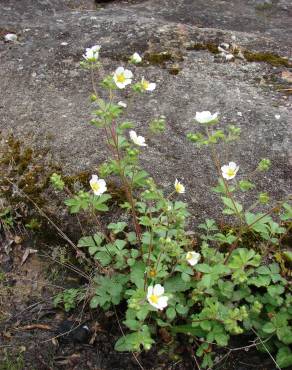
x,y
27,252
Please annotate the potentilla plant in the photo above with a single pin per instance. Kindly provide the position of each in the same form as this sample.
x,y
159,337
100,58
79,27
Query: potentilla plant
x,y
208,290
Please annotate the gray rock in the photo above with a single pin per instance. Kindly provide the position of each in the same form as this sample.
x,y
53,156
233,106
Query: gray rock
x,y
48,97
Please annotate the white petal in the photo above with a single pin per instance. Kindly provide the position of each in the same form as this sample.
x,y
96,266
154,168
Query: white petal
x,y
162,302
158,290
150,291
119,70
133,135
122,104
128,74
94,178
232,165
151,86
120,85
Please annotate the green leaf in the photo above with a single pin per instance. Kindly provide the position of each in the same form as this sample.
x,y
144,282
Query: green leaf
x,y
139,178
91,241
245,185
182,310
285,334
284,357
203,267
275,290
132,324
120,244
79,202
137,274
170,313
243,257
259,281
98,202
269,328
258,222
288,212
233,207
103,257
287,255
176,284
189,330
134,341
117,227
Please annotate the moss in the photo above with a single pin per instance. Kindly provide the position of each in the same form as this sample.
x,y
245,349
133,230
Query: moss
x,y
264,6
211,47
158,58
271,58
174,70
81,178
18,164
164,58
25,160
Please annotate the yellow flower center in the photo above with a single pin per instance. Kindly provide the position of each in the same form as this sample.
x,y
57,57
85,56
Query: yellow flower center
x,y
153,298
95,186
152,273
179,188
121,78
230,172
189,256
145,84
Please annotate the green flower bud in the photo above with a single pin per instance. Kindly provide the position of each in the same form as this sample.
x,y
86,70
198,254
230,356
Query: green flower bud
x,y
93,98
264,165
264,198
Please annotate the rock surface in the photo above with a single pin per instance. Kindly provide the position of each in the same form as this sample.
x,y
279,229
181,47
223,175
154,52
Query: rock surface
x,y
44,93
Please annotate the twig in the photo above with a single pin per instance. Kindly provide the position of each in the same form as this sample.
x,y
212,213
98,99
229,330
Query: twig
x,y
265,347
35,326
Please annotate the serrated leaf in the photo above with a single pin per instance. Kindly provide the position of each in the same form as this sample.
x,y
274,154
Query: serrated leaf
x,y
137,274
284,357
232,206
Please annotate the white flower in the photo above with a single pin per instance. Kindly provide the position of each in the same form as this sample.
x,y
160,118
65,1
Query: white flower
x,y
229,56
156,298
138,140
97,185
122,104
147,86
135,58
10,37
229,171
122,77
193,258
277,116
205,117
179,187
92,54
